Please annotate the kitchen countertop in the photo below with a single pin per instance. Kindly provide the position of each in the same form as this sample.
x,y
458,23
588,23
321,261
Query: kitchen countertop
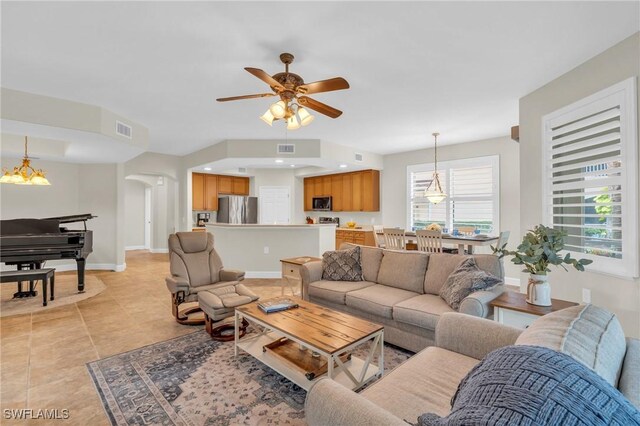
x,y
263,225
346,228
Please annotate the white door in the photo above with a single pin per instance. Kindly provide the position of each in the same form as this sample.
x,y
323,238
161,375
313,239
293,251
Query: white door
x,y
275,205
147,218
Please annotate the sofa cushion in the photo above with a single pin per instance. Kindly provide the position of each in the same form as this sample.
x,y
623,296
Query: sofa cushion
x,y
531,385
335,291
342,265
589,334
425,382
403,270
370,258
466,279
442,265
377,299
422,311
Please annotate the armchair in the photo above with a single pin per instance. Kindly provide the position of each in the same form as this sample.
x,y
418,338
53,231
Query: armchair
x,y
197,274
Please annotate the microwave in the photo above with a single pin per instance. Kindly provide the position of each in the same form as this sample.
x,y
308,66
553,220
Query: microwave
x,y
321,203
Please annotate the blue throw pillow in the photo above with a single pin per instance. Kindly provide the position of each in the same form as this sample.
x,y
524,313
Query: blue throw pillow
x,y
532,385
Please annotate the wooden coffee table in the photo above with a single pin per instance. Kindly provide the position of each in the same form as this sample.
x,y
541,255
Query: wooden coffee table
x,y
304,343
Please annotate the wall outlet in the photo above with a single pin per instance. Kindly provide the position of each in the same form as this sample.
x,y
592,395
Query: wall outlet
x,y
586,295
266,249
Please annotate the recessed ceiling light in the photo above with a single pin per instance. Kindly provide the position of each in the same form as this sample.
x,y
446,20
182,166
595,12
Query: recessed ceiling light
x,y
207,168
343,166
279,161
292,165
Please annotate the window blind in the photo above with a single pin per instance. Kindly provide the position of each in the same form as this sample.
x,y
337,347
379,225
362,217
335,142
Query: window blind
x,y
589,169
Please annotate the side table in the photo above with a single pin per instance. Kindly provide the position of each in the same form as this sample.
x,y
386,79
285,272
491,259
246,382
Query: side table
x,y
291,272
511,308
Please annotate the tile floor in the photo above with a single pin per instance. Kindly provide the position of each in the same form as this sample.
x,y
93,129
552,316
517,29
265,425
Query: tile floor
x,y
43,355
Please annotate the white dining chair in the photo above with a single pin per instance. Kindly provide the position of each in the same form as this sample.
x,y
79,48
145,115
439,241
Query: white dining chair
x,y
394,238
378,235
429,241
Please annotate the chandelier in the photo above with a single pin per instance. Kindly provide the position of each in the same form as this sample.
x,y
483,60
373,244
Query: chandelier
x,y
291,112
25,174
434,192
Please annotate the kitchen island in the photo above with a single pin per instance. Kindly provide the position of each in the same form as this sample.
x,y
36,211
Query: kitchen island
x,y
257,248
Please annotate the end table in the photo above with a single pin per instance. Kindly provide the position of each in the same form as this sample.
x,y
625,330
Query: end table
x,y
511,308
291,272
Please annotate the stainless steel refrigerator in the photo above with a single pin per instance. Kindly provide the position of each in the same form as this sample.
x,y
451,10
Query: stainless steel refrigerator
x,y
237,209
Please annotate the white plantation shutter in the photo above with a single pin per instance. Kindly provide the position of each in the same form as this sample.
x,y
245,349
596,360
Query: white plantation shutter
x,y
473,194
590,190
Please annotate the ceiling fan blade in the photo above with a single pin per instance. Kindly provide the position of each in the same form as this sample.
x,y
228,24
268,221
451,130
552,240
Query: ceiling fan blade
x,y
265,77
329,85
237,98
319,107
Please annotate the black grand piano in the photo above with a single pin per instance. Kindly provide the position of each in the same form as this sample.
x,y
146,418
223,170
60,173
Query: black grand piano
x,y
27,243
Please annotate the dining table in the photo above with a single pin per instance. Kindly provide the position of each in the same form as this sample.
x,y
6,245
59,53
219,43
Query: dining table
x,y
470,241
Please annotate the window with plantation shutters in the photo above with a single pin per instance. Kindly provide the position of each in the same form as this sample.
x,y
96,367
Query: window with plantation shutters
x,y
590,172
472,186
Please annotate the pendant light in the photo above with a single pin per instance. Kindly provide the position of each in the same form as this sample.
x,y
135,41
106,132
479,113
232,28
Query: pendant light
x,y
434,192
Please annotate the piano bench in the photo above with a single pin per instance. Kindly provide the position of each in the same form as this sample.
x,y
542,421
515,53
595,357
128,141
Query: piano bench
x,y
47,275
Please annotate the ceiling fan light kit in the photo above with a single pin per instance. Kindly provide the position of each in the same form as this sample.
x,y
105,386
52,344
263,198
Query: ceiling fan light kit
x,y
292,89
25,174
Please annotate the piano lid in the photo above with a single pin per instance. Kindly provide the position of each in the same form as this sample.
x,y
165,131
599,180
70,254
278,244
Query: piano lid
x,y
73,218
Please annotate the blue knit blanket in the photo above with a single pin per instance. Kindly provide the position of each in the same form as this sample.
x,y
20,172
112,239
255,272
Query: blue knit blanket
x,y
531,385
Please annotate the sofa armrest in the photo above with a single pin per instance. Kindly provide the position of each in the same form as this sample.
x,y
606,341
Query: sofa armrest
x,y
310,272
477,303
473,336
176,284
330,403
629,384
231,275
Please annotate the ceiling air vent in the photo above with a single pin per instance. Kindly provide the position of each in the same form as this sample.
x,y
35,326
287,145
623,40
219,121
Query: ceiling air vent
x,y
359,157
242,170
123,129
288,148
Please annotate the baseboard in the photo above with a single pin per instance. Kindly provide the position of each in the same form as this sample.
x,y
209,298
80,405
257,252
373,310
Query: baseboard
x,y
135,248
263,274
92,267
159,250
515,282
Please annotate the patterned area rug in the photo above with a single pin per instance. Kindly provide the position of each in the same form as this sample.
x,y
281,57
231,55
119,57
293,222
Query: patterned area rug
x,y
192,380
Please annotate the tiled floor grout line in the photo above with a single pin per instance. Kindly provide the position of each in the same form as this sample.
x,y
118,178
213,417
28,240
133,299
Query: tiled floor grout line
x,y
84,323
29,359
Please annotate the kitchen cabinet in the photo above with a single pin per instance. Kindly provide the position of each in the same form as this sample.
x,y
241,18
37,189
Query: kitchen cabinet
x,y
210,192
354,236
197,191
350,192
206,188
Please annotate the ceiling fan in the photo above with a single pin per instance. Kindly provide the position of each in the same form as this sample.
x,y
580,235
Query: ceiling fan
x,y
292,91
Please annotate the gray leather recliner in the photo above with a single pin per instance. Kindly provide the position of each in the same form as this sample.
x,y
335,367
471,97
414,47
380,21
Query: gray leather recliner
x,y
197,273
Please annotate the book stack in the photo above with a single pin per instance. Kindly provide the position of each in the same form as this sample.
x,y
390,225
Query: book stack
x,y
277,305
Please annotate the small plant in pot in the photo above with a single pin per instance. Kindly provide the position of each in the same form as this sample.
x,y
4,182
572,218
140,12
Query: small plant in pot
x,y
539,249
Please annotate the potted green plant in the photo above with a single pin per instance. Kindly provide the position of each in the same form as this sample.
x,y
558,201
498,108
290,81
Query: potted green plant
x,y
540,248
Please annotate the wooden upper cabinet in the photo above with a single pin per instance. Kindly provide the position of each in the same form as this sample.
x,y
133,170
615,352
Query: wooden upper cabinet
x,y
225,185
308,194
350,192
357,192
211,192
240,186
371,190
337,203
197,191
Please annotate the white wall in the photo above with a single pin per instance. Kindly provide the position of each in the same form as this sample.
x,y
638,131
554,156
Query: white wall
x,y
621,296
134,214
394,184
74,189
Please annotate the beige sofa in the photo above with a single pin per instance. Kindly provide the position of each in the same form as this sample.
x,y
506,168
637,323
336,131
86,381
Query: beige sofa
x,y
428,380
400,291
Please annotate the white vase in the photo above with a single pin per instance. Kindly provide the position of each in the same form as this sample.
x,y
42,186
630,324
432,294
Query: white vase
x,y
538,290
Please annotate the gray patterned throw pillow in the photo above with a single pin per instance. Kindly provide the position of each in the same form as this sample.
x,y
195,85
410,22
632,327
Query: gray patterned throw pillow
x,y
464,280
342,265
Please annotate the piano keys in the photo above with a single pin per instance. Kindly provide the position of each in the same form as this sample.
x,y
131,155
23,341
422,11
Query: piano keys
x,y
30,242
